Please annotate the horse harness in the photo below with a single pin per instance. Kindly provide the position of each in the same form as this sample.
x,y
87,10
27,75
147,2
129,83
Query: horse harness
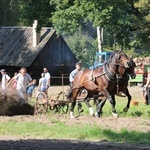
x,y
108,74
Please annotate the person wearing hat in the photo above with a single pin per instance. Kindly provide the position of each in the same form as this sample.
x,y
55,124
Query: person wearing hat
x,y
71,78
5,79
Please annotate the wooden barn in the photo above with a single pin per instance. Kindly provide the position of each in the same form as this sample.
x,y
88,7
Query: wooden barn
x,y
24,47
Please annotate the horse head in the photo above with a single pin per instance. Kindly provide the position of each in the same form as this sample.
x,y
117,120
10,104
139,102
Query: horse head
x,y
122,59
131,69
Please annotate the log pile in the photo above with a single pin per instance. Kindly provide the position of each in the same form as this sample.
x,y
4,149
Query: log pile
x,y
140,62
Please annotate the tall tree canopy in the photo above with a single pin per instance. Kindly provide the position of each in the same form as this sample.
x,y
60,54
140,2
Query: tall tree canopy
x,y
142,25
9,12
127,22
112,15
40,10
120,18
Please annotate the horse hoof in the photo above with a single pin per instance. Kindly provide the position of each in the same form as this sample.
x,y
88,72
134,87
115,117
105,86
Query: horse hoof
x,y
97,115
115,115
91,111
125,109
71,115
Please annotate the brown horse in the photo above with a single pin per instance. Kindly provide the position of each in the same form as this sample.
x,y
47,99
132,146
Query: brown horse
x,y
123,82
101,80
121,86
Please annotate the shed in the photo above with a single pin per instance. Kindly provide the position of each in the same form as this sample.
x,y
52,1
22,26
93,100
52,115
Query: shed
x,y
24,47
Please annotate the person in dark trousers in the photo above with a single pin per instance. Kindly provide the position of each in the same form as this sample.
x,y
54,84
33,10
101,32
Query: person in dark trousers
x,y
71,78
146,89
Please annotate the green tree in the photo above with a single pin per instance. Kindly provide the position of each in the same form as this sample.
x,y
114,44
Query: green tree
x,y
83,46
126,21
143,27
40,10
109,14
9,12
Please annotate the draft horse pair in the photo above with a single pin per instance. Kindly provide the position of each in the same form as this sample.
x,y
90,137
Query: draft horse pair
x,y
104,81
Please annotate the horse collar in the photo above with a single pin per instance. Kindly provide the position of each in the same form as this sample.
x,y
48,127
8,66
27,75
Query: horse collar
x,y
108,74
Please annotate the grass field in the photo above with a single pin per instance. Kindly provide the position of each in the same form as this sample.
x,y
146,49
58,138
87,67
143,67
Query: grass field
x,y
59,130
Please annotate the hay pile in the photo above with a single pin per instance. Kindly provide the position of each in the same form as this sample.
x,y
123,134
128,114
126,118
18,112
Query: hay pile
x,y
140,62
10,105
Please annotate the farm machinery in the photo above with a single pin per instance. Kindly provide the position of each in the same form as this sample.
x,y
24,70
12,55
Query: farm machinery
x,y
58,103
100,59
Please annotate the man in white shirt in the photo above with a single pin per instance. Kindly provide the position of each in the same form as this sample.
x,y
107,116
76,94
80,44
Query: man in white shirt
x,y
48,77
23,78
74,72
5,79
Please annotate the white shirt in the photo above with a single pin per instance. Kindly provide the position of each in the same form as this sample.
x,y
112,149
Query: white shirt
x,y
22,81
72,75
5,79
47,76
43,83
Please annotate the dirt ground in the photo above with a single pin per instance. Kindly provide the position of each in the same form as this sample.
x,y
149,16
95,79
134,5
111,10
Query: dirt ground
x,y
54,144
26,143
31,143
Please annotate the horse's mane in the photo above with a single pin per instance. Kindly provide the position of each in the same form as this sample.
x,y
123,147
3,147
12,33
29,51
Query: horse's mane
x,y
112,55
110,58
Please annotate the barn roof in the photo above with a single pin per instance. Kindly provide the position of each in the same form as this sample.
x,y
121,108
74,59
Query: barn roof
x,y
16,45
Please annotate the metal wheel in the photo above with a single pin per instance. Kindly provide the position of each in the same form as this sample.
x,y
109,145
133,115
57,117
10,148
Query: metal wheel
x,y
41,104
62,108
